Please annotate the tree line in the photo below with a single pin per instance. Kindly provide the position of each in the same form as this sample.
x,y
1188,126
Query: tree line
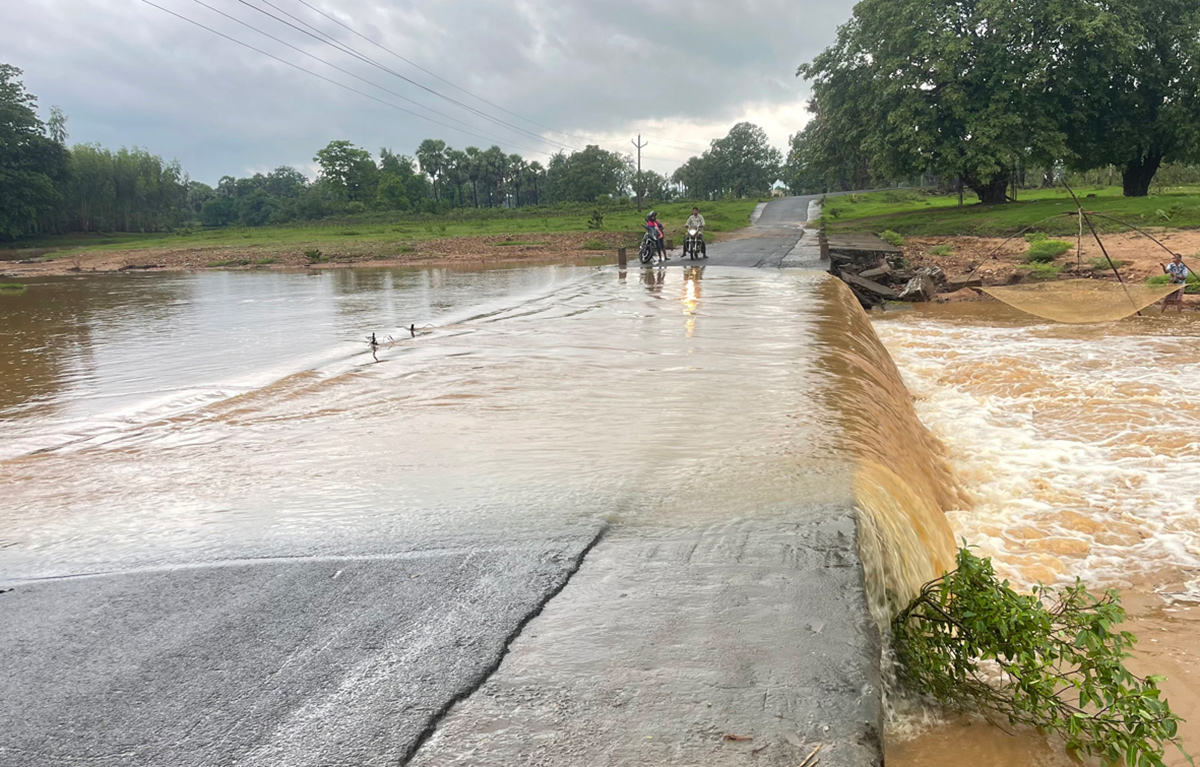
x,y
978,92
48,187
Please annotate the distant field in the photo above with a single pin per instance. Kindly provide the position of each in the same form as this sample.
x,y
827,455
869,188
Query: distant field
x,y
915,213
521,224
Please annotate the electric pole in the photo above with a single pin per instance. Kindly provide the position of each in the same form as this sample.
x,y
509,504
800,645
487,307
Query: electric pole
x,y
639,146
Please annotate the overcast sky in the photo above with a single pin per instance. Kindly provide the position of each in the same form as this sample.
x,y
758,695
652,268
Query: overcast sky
x,y
681,72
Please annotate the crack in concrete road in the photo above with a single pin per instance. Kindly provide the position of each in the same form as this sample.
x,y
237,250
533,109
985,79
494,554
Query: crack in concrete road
x,y
485,674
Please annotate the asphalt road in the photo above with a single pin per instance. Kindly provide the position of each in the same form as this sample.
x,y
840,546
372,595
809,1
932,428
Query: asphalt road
x,y
633,647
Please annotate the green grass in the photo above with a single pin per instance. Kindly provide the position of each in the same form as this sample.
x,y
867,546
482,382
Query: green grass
x,y
1102,263
387,231
1193,282
595,245
523,243
11,288
942,250
913,214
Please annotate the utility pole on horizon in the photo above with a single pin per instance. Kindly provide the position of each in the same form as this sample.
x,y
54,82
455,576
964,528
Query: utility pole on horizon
x,y
639,146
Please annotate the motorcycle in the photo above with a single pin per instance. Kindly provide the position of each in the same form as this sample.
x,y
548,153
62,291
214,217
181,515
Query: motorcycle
x,y
648,251
693,244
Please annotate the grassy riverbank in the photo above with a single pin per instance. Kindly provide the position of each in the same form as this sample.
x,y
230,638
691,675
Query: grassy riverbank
x,y
393,233
917,213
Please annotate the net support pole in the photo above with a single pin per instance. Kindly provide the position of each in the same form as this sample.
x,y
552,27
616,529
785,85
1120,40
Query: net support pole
x,y
1084,216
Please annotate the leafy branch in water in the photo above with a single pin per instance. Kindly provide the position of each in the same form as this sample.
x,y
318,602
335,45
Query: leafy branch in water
x,y
1051,659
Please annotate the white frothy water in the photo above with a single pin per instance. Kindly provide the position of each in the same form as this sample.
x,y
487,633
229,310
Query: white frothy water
x,y
1080,445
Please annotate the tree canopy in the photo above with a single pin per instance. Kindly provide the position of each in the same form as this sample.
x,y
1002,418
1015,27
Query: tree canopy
x,y
972,90
32,163
47,187
742,164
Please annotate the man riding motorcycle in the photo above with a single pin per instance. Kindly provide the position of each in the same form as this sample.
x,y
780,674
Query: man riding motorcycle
x,y
696,222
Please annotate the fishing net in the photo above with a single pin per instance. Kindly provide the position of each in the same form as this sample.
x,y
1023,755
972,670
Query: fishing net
x,y
1081,301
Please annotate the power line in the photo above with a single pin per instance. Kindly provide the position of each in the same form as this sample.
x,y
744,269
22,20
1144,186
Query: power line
x,y
322,77
376,64
357,77
439,78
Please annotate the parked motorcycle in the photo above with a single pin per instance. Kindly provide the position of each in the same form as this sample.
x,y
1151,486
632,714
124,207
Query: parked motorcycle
x,y
693,245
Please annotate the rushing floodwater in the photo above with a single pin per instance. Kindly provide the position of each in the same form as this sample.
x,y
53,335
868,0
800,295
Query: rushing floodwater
x,y
1080,444
1080,448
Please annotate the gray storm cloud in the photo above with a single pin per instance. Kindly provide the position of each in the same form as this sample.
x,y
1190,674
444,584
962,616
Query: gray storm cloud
x,y
682,73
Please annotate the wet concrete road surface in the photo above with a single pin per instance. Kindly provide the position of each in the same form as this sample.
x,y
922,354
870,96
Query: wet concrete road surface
x,y
329,661
747,643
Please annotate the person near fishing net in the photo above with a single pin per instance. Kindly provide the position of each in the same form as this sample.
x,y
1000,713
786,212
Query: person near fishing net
x,y
1177,272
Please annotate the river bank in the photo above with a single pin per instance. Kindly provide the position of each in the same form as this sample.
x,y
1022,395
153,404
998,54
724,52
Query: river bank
x,y
451,251
998,262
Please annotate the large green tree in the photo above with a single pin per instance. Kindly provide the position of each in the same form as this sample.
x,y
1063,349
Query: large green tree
x,y
32,164
1129,84
586,175
348,170
956,87
742,164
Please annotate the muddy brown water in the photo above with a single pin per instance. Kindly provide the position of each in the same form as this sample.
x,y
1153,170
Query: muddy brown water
x,y
1079,448
170,418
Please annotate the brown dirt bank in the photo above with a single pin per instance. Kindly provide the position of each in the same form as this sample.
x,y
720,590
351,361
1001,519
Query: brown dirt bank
x,y
1137,258
456,251
1141,256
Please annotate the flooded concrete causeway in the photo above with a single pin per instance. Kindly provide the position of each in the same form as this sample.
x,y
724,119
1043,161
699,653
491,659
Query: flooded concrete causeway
x,y
583,517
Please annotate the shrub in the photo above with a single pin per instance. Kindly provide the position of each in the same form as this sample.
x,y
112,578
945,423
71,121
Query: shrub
x,y
1045,251
1102,263
942,250
1033,237
183,232
597,220
892,238
1045,271
1051,659
313,255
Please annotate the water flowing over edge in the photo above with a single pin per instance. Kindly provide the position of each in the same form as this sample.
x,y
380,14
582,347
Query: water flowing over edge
x,y
903,483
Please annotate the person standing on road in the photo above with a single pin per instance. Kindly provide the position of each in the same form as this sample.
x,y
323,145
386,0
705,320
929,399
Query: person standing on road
x,y
1177,271
661,235
696,221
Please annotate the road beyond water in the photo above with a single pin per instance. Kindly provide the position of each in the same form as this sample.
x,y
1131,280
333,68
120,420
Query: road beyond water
x,y
731,636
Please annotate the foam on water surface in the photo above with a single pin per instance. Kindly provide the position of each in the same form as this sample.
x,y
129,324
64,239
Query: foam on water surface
x,y
1079,446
